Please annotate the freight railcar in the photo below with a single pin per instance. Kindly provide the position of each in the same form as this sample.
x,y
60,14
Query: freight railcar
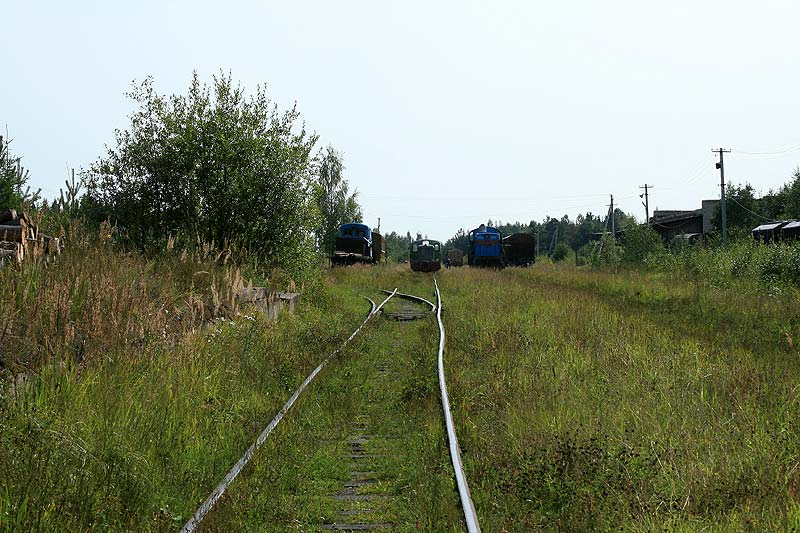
x,y
485,247
425,255
357,243
456,257
519,249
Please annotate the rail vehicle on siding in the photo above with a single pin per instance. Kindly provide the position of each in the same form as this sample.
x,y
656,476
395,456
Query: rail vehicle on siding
x,y
357,243
425,255
485,247
519,249
456,257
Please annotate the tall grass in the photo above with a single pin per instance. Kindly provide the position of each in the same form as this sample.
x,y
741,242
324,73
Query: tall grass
x,y
123,403
95,300
584,399
743,262
593,400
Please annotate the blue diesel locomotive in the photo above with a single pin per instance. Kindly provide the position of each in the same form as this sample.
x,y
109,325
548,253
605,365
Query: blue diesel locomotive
x,y
485,247
356,243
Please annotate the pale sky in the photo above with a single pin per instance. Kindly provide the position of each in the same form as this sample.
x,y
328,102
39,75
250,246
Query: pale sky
x,y
447,113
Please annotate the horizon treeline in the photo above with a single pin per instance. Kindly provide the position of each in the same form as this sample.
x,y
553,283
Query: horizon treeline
x,y
227,168
745,211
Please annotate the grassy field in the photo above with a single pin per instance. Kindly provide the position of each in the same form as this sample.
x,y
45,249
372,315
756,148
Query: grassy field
x,y
584,400
132,433
595,401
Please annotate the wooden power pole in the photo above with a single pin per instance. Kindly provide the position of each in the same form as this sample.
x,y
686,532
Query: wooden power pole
x,y
646,203
721,167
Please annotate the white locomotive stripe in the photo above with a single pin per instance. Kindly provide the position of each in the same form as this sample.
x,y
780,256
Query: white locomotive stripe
x,y
212,499
455,452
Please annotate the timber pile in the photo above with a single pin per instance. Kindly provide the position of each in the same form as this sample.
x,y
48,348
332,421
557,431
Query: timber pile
x,y
20,238
270,302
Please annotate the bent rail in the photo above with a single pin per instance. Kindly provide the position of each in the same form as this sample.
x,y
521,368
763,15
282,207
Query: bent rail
x,y
412,298
212,499
371,303
455,452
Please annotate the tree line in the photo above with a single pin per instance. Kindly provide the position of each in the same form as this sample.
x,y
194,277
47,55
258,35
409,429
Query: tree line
x,y
746,210
556,236
215,165
223,167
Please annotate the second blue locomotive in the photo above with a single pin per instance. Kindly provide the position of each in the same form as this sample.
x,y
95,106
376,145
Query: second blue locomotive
x,y
357,243
485,247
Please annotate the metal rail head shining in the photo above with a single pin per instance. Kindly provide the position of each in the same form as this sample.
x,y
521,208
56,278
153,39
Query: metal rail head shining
x,y
217,493
455,452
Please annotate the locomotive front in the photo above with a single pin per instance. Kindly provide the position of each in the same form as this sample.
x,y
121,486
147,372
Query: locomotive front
x,y
485,247
426,255
353,245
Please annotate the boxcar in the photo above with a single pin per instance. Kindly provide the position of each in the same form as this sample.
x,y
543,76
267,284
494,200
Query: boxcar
x,y
426,255
485,247
456,257
356,243
519,249
378,247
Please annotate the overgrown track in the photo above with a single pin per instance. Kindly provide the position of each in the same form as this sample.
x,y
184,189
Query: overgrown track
x,y
372,497
455,451
212,499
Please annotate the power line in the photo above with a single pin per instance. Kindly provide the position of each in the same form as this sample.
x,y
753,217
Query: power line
x,y
697,171
506,215
750,210
795,148
477,197
765,157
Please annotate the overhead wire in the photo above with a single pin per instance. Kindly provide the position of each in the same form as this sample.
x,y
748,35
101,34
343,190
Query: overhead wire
x,y
445,196
760,158
789,149
698,171
734,200
477,215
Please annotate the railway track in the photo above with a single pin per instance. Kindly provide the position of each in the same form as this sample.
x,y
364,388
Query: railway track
x,y
372,438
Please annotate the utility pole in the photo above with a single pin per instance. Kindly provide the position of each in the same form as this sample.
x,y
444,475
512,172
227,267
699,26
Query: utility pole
x,y
603,238
721,167
537,242
646,203
613,230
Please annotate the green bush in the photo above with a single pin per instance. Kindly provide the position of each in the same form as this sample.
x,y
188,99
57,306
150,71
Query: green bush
x,y
216,166
743,261
561,252
640,241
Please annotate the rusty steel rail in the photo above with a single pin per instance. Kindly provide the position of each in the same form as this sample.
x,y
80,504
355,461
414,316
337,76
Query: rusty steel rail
x,y
217,493
455,451
412,298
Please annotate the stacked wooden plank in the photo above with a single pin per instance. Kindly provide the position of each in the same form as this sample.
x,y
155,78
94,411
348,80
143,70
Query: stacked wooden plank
x,y
270,302
20,238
